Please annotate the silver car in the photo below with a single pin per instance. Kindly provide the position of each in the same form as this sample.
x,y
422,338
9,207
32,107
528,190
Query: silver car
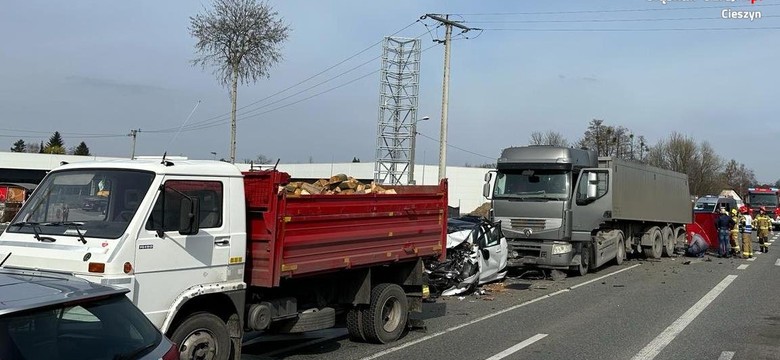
x,y
61,317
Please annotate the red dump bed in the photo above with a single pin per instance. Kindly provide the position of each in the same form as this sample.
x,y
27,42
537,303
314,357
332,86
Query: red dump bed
x,y
314,234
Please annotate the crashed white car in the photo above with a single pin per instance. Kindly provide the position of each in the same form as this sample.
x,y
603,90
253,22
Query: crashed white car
x,y
476,254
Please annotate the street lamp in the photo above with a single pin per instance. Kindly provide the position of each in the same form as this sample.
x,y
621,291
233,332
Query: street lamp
x,y
411,151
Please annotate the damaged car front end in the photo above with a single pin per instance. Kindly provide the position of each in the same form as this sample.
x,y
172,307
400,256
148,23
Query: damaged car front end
x,y
476,254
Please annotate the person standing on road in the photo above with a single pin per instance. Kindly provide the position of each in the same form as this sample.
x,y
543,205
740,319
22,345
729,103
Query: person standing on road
x,y
746,226
734,235
724,223
762,224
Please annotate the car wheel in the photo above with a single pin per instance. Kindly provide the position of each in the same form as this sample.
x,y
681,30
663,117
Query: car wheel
x,y
385,319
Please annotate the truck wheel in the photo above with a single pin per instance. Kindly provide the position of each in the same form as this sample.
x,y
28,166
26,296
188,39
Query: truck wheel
x,y
669,240
584,266
621,251
654,251
385,318
355,324
202,336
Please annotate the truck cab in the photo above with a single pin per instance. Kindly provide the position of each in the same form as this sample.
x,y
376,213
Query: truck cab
x,y
163,227
532,198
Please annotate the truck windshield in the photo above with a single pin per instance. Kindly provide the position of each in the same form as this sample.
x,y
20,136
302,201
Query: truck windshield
x,y
532,184
97,203
763,199
705,205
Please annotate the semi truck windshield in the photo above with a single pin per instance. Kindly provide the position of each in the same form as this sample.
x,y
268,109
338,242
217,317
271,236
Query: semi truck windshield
x,y
763,199
529,184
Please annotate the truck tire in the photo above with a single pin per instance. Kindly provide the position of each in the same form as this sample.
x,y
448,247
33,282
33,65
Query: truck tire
x,y
385,318
584,266
669,239
317,319
621,250
655,250
355,324
202,336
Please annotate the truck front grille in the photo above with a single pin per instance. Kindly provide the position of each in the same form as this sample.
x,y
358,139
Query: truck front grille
x,y
533,224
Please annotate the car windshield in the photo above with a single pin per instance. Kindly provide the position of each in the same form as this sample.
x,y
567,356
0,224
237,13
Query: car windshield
x,y
763,199
97,203
104,329
705,205
530,184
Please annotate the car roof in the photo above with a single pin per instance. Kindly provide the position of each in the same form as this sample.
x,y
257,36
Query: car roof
x,y
24,290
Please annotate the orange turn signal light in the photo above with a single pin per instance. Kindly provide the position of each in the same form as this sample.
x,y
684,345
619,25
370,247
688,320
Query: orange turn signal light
x,y
97,267
128,268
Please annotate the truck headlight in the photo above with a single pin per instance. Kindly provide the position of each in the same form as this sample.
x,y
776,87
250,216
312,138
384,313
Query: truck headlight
x,y
558,249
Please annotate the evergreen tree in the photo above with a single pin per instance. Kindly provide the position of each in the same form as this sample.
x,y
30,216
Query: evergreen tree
x,y
41,149
19,146
82,149
55,140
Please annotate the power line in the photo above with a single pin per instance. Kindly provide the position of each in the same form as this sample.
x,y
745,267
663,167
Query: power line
x,y
456,147
637,30
296,84
613,11
601,20
206,126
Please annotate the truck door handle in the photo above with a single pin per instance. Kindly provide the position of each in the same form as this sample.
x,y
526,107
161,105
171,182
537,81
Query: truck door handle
x,y
225,241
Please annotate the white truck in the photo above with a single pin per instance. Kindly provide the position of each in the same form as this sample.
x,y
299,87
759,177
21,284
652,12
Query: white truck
x,y
209,252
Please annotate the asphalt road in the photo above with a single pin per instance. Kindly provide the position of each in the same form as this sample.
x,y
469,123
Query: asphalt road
x,y
676,308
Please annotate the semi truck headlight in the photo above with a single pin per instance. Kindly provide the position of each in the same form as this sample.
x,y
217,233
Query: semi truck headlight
x,y
558,249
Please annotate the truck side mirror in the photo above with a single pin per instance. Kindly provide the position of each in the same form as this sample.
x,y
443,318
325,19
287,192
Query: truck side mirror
x,y
189,216
486,193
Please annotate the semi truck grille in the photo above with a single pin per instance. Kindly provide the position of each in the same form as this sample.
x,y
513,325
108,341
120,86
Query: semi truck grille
x,y
533,224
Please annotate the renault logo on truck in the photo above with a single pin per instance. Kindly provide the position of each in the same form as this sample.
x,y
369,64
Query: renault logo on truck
x,y
527,232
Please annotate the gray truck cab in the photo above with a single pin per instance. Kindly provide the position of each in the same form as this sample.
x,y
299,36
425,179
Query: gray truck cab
x,y
532,197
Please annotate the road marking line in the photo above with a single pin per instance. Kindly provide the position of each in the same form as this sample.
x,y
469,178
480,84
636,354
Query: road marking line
x,y
742,267
665,338
497,313
751,259
517,347
777,263
726,355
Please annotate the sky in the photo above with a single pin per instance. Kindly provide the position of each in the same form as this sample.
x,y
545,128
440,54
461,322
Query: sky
x,y
93,70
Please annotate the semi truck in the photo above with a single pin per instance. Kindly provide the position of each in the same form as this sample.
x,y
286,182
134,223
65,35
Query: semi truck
x,y
568,209
209,252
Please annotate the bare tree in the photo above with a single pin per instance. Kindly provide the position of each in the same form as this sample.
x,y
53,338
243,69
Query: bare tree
x,y
550,137
699,161
242,40
738,177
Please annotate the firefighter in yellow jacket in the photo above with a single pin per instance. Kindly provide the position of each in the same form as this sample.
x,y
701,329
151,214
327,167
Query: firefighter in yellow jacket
x,y
763,223
734,238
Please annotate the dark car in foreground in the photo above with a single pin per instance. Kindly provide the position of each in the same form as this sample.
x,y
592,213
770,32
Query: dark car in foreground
x,y
61,317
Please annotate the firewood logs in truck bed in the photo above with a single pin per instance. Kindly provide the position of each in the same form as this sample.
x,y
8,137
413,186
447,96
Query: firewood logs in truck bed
x,y
337,185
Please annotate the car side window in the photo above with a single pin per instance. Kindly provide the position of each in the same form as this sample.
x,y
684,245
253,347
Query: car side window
x,y
209,194
601,182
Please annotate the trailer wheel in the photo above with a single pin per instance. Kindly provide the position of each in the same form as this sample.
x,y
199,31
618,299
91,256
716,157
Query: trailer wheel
x,y
669,240
385,318
656,249
355,324
202,336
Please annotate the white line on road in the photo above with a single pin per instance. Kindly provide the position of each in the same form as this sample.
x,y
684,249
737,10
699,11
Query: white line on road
x,y
726,355
662,340
742,267
517,347
497,313
777,263
752,259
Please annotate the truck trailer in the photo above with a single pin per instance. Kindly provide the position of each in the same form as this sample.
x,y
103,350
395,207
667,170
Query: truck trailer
x,y
567,209
209,252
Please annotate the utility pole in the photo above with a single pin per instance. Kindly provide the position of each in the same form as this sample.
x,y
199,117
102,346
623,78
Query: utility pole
x,y
448,24
134,134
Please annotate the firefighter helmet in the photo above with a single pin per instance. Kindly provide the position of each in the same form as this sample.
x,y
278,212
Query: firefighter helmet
x,y
733,212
